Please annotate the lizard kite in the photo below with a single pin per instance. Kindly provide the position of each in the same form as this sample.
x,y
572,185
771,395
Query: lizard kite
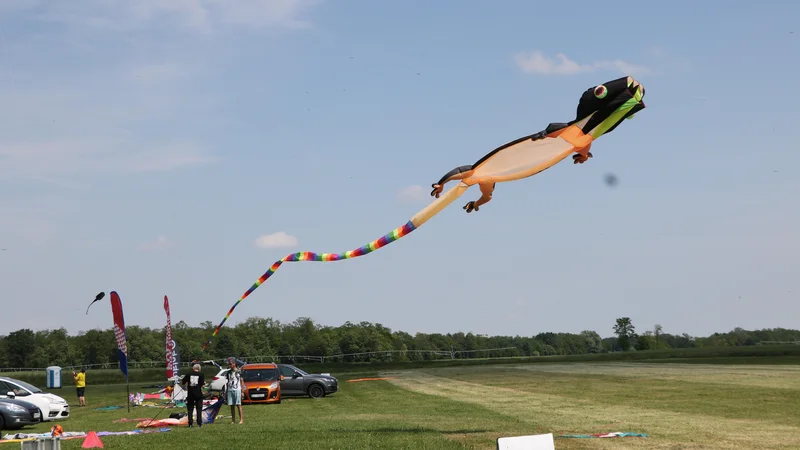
x,y
600,110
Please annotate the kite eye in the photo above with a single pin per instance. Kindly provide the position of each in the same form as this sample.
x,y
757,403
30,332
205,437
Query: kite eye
x,y
600,91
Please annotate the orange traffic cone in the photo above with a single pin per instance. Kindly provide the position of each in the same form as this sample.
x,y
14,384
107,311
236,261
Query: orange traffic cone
x,y
92,441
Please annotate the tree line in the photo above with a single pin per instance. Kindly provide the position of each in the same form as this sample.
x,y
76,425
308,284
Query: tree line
x,y
362,342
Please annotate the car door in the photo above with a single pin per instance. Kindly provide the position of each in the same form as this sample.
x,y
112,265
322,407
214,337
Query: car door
x,y
219,381
5,389
290,385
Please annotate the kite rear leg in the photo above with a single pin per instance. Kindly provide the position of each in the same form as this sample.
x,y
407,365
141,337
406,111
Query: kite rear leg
x,y
459,173
486,196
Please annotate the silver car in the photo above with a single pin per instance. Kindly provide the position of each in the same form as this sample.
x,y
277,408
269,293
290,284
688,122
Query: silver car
x,y
297,382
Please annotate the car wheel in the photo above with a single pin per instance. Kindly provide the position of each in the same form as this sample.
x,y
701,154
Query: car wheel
x,y
2,423
316,391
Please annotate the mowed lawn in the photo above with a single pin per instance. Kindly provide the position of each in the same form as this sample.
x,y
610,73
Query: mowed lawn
x,y
678,406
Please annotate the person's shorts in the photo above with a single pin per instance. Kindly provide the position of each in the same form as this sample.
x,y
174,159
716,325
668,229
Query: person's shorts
x,y
234,397
80,391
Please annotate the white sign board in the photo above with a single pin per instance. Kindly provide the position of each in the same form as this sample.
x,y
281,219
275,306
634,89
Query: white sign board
x,y
532,442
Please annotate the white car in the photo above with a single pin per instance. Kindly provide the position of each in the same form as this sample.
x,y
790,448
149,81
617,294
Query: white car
x,y
52,406
217,383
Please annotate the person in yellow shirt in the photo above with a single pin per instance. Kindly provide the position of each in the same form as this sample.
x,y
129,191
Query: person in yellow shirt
x,y
80,384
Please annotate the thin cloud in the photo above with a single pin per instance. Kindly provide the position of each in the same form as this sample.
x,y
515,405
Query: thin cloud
x,y
63,123
668,63
412,194
34,221
158,73
77,125
203,16
47,160
537,63
276,240
160,243
170,156
265,13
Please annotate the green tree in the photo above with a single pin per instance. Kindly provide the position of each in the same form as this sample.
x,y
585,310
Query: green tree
x,y
20,346
624,330
657,336
263,337
592,340
645,341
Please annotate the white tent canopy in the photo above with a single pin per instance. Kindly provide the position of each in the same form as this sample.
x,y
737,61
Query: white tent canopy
x,y
178,393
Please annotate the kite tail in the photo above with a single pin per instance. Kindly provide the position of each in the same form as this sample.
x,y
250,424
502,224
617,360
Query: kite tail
x,y
310,256
421,217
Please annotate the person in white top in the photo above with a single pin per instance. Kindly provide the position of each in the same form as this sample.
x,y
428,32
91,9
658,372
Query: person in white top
x,y
234,388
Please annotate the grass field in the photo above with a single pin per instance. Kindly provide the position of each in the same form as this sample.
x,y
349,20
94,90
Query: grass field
x,y
679,406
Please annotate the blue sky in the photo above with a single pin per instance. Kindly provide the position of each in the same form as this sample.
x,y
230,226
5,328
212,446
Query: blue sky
x,y
146,149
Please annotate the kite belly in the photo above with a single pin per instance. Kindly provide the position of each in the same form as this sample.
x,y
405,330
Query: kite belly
x,y
522,160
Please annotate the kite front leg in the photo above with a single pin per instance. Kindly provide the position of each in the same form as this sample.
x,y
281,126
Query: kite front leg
x,y
583,155
459,173
486,197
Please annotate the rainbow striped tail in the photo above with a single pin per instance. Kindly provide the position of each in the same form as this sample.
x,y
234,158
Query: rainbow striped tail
x,y
421,217
311,256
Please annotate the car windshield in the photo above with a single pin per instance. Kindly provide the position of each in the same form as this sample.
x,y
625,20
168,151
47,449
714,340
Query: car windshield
x,y
270,374
302,372
25,385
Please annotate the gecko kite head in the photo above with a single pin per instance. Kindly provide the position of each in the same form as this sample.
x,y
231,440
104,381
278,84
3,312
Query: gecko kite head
x,y
603,107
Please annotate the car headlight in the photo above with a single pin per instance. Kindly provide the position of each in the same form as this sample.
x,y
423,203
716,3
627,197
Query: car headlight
x,y
15,408
274,385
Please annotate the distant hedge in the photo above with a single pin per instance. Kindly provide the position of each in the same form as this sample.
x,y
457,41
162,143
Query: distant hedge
x,y
761,354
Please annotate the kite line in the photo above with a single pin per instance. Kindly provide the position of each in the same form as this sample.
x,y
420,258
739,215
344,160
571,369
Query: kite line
x,y
420,218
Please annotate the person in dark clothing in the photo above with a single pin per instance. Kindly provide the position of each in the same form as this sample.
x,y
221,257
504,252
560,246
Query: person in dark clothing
x,y
194,382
